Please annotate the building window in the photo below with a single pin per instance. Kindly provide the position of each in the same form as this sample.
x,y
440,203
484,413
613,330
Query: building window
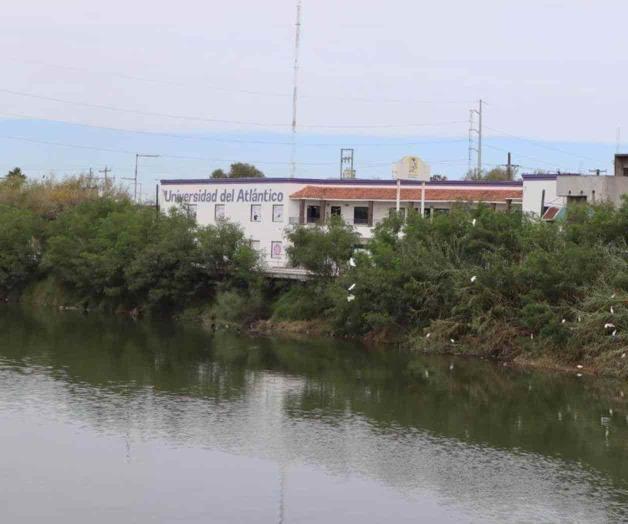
x,y
276,249
256,213
625,171
393,212
335,211
219,212
278,213
361,215
313,214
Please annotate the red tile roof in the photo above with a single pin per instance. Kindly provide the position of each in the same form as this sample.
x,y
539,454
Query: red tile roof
x,y
551,213
407,195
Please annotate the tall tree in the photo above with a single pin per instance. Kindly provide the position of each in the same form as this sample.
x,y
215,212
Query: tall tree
x,y
239,170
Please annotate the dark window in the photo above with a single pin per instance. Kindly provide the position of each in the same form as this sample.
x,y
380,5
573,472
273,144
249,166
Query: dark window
x,y
577,199
256,213
625,171
313,214
361,215
336,211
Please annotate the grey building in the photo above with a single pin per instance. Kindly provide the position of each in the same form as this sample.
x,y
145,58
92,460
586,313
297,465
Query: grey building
x,y
595,188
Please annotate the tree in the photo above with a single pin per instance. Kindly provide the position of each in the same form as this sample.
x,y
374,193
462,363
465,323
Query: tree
x,y
16,175
324,251
438,178
19,249
219,173
494,175
239,170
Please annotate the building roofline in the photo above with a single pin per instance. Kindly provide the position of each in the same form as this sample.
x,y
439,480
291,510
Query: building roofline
x,y
543,176
337,182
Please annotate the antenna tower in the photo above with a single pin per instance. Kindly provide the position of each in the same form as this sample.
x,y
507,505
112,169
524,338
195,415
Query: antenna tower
x,y
297,41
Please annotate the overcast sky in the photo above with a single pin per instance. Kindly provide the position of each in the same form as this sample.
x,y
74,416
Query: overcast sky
x,y
392,72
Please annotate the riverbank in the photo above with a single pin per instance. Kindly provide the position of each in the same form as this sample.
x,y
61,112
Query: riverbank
x,y
473,281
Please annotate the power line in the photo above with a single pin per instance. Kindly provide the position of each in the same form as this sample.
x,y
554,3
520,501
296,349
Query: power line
x,y
170,156
521,155
213,87
542,144
227,140
214,120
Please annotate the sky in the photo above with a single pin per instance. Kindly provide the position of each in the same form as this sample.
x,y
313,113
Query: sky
x,y
207,83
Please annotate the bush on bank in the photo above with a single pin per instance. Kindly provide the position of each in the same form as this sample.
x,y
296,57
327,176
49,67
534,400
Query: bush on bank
x,y
108,252
485,282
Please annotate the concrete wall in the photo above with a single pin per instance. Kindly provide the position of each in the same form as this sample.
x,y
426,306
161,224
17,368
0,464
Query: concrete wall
x,y
596,189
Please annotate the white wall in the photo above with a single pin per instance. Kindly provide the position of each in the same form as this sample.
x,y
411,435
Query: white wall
x,y
238,209
533,195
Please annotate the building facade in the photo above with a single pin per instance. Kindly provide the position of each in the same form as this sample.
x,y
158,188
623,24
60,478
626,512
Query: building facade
x,y
266,208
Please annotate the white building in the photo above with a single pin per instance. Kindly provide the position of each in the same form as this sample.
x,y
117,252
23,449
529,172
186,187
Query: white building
x,y
266,207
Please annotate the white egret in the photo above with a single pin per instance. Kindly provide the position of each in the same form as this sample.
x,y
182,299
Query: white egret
x,y
352,262
350,298
473,279
351,287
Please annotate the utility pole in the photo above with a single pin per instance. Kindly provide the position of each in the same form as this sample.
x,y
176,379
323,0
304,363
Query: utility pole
x,y
346,163
297,41
473,130
510,167
105,171
480,139
137,157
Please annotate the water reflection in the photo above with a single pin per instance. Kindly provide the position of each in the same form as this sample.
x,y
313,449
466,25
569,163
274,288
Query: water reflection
x,y
459,438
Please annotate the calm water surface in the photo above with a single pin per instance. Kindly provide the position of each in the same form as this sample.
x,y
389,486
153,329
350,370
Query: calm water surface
x,y
106,420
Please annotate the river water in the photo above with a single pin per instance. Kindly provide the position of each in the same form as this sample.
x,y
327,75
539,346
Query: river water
x,y
107,420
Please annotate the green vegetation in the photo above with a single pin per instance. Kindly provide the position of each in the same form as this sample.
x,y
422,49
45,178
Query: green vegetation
x,y
481,282
239,170
97,249
472,281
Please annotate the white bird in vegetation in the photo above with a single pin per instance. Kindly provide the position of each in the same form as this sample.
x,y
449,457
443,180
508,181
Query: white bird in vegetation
x,y
614,333
578,375
428,335
350,298
623,355
473,222
579,319
563,321
451,367
531,336
473,279
612,311
613,295
608,325
579,366
452,340
351,287
352,262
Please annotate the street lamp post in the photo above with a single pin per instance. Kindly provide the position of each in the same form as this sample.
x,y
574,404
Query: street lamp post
x,y
137,157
